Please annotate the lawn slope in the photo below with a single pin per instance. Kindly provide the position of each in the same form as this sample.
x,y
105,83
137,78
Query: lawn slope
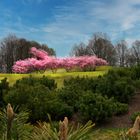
x,y
59,76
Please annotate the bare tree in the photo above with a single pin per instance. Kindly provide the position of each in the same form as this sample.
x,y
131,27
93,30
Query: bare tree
x,y
13,49
79,50
130,59
101,46
122,53
98,45
8,47
136,51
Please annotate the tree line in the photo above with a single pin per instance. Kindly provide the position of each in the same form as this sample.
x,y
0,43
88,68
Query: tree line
x,y
119,54
13,48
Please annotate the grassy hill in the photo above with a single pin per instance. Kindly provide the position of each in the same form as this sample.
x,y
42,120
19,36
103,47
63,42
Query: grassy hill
x,y
103,132
59,76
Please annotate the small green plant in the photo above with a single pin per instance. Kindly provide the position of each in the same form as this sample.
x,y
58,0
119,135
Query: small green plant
x,y
46,131
14,126
134,115
121,108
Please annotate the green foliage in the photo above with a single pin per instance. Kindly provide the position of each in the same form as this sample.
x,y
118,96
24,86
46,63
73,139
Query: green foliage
x,y
121,108
106,134
81,132
91,105
4,86
70,95
32,81
29,97
122,72
116,84
135,72
95,107
47,131
134,115
83,83
137,84
57,108
93,98
20,130
123,92
36,96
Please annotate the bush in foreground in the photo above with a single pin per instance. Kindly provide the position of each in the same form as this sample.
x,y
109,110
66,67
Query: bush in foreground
x,y
113,84
95,107
15,127
36,95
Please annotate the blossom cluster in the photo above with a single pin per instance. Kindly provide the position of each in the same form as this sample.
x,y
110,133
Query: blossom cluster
x,y
42,61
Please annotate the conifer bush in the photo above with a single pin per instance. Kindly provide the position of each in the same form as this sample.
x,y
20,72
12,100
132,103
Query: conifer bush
x,y
38,96
32,81
95,107
4,87
135,72
121,108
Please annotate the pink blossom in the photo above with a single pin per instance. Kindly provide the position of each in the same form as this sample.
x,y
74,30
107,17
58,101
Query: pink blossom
x,y
40,54
42,61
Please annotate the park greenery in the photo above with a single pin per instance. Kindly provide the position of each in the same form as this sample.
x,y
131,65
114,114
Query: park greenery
x,y
63,98
80,98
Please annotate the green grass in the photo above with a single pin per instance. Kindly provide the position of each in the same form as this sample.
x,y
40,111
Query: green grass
x,y
106,134
59,76
112,134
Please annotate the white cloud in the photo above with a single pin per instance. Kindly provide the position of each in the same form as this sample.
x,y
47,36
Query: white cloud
x,y
88,16
121,12
76,22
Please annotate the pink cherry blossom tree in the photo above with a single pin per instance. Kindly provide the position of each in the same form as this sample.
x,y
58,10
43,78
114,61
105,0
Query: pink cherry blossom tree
x,y
41,61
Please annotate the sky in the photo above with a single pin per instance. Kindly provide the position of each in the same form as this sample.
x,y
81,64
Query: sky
x,y
62,23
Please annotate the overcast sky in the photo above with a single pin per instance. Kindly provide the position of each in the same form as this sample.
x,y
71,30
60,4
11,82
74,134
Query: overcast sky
x,y
62,23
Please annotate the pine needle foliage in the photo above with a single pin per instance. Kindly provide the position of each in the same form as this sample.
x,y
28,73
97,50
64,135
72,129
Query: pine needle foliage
x,y
47,131
15,128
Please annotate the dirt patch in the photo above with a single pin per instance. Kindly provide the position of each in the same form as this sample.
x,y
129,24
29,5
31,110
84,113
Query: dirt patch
x,y
124,121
